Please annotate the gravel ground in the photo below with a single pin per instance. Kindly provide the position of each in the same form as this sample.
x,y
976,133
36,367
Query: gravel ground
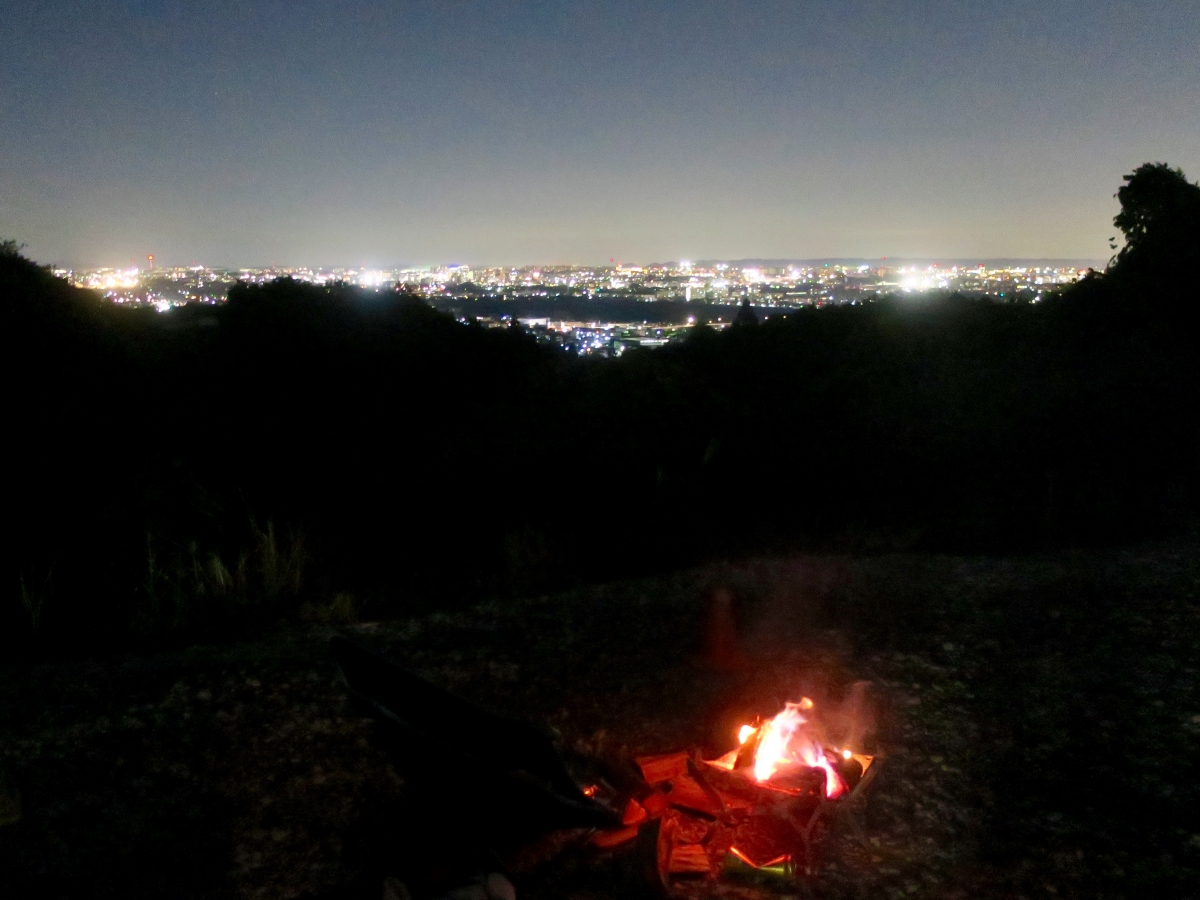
x,y
1038,721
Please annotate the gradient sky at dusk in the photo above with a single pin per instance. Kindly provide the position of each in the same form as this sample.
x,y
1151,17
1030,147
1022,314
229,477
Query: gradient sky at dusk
x,y
325,133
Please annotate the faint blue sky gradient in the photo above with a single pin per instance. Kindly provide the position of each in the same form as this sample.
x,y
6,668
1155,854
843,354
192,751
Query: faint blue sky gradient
x,y
416,132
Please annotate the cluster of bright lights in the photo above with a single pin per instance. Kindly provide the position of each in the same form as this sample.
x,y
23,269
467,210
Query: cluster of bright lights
x,y
111,279
373,279
791,286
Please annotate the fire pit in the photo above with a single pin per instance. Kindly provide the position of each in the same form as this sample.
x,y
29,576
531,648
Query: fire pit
x,y
759,805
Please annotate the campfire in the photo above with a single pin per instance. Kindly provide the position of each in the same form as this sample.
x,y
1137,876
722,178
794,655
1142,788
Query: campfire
x,y
759,805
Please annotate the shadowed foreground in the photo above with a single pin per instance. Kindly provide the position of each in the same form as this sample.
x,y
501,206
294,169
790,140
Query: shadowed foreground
x,y
1039,718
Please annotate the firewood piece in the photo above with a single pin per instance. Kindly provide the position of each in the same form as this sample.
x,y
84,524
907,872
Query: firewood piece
x,y
634,813
655,804
660,769
689,859
614,837
665,846
688,794
689,829
802,781
737,790
740,792
727,761
696,771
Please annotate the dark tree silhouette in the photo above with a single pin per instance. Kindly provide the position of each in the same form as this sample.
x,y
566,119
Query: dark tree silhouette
x,y
746,314
1160,219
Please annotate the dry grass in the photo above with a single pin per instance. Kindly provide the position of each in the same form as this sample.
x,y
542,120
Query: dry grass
x,y
187,589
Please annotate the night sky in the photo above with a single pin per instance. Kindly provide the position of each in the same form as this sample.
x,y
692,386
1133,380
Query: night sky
x,y
324,133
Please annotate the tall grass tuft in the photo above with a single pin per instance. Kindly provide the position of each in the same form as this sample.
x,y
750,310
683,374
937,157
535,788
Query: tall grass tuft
x,y
33,599
280,563
190,590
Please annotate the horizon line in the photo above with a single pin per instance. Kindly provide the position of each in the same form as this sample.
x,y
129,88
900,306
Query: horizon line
x,y
744,262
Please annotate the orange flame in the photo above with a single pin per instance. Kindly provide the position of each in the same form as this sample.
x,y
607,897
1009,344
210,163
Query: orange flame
x,y
788,741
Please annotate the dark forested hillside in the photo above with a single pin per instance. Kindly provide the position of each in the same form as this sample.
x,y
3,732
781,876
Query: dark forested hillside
x,y
303,450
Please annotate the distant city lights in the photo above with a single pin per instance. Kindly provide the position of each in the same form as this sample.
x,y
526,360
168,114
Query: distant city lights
x,y
767,288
